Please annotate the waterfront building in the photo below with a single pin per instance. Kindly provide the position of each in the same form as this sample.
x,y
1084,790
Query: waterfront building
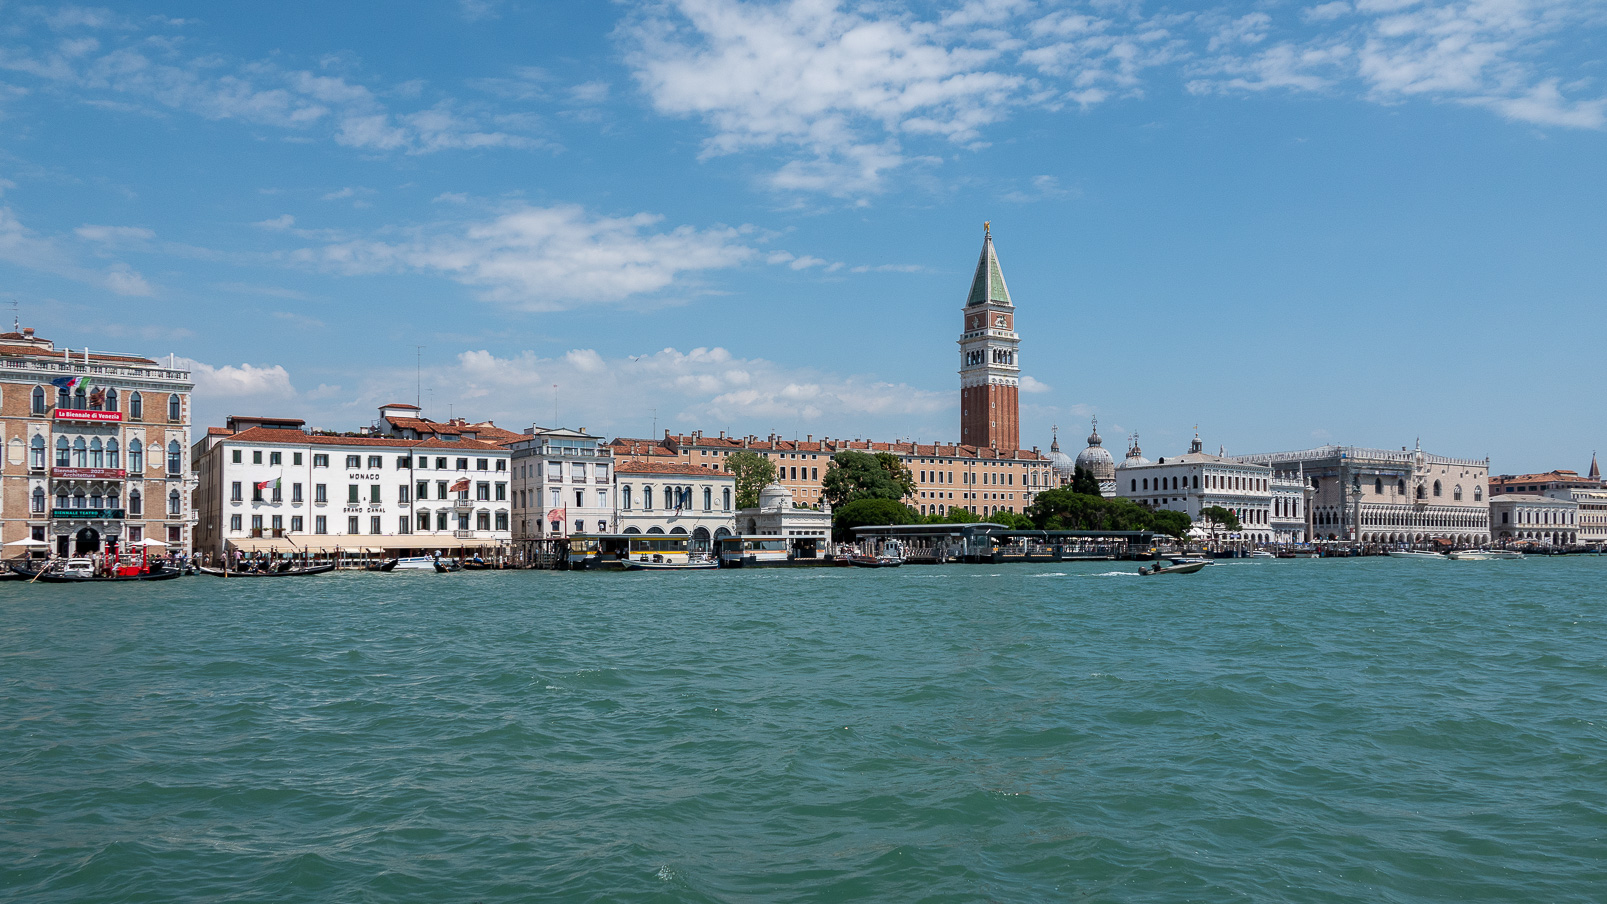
x,y
1383,496
660,497
1592,517
990,371
1197,480
808,530
563,483
269,484
984,480
1531,516
97,450
1290,500
1558,482
1097,460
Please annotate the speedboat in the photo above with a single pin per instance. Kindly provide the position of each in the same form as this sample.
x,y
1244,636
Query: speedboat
x,y
1413,554
415,563
1504,554
1471,555
1263,554
1186,568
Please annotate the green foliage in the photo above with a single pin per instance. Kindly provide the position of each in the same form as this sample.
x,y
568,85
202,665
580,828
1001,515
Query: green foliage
x,y
861,512
1066,509
753,472
1013,520
1083,482
1217,516
852,476
955,515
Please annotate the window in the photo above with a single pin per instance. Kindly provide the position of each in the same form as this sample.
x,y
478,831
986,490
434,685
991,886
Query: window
x,y
234,491
483,464
276,458
1478,494
1436,488
625,498
580,499
295,459
423,463
353,492
1456,493
404,525
1400,487
482,491
602,499
502,522
440,464
278,522
401,494
175,411
440,489
111,400
353,462
136,406
80,453
36,453
234,522
647,498
502,492
136,503
37,505
175,457
295,492
423,520
375,462
320,493
256,456
352,524
320,524
320,461
725,499
502,464
403,462
38,400
1378,486
373,493
440,520
482,521
175,503
463,464
373,525
296,524
708,499
422,488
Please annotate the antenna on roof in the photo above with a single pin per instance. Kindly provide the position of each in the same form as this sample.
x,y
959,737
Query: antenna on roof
x,y
418,372
16,317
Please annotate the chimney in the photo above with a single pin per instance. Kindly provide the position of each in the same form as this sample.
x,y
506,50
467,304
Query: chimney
x,y
583,430
722,434
810,436
27,332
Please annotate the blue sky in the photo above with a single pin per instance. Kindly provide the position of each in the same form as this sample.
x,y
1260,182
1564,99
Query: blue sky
x,y
1287,222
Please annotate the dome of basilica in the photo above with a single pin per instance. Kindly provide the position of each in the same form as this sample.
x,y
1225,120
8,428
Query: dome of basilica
x,y
1096,459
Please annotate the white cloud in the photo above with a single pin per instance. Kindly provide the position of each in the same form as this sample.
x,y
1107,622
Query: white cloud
x,y
1030,384
547,258
125,281
277,224
110,235
23,247
240,381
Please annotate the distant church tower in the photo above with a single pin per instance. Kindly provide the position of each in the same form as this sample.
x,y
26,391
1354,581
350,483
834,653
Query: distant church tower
x,y
990,375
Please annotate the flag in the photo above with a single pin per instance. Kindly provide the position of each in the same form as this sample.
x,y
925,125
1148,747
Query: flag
x,y
461,486
70,383
269,484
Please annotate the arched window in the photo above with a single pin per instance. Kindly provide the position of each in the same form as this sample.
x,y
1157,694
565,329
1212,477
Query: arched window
x,y
1400,487
1135,487
175,457
38,400
1436,488
625,498
136,502
1421,493
136,406
97,457
174,501
111,499
111,399
1378,486
136,458
708,499
174,409
1478,494
61,497
80,453
78,498
647,498
1457,493
36,453
113,460
63,455
1146,483
38,504
80,398
64,398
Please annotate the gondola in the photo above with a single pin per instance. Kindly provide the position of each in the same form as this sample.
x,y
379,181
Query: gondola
x,y
387,566
274,573
48,577
477,565
443,568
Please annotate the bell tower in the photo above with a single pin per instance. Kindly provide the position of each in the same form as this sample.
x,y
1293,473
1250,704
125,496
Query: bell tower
x,y
990,377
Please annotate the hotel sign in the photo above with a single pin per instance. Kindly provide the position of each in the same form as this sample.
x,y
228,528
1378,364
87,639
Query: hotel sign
x,y
88,473
79,414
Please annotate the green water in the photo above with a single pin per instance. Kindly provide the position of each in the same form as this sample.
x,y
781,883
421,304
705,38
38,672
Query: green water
x,y
1311,731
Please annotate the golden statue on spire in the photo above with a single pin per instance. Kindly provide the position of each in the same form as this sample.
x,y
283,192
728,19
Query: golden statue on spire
x,y
987,230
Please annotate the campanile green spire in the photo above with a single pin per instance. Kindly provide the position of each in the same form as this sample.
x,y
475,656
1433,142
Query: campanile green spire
x,y
988,283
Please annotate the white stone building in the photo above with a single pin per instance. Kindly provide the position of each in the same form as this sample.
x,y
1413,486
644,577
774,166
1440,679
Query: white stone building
x,y
1525,516
563,483
1382,496
675,498
807,530
1290,495
1198,480
265,484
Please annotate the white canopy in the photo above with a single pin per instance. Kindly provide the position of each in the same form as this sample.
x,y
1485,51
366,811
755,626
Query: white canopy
x,y
29,541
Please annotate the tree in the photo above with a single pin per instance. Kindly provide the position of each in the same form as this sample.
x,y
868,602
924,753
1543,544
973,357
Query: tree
x,y
861,512
753,472
1083,482
1174,524
955,515
852,476
1064,509
1217,516
1012,520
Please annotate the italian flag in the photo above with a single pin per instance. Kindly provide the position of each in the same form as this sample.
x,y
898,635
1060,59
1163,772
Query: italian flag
x,y
270,484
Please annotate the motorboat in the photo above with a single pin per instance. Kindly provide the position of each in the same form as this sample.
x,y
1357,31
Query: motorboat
x,y
1186,568
693,565
1414,554
1470,555
1192,560
1504,554
1262,554
416,563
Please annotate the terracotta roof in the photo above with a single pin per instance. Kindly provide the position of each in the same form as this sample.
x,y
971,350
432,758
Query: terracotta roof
x,y
402,405
29,351
490,432
830,446
218,431
645,448
271,436
664,467
1548,477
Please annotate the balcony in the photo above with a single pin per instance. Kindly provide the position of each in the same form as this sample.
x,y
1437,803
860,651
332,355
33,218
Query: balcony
x,y
463,534
87,514
462,505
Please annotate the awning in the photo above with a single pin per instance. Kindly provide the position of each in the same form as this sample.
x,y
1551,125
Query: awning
x,y
358,544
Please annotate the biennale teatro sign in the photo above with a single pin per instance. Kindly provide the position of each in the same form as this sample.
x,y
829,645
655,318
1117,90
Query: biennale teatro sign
x,y
80,414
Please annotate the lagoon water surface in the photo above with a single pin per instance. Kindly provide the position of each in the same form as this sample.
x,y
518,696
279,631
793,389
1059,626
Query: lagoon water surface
x,y
1310,730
